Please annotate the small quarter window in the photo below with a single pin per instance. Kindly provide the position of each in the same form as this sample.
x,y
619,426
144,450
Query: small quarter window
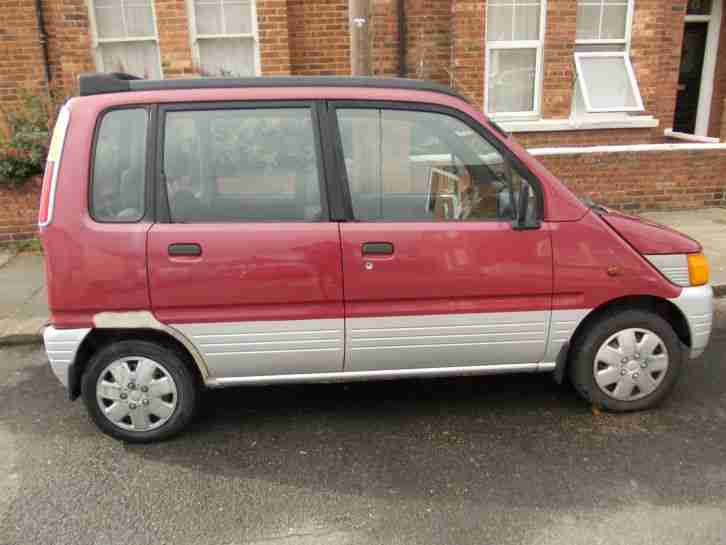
x,y
423,166
119,167
235,165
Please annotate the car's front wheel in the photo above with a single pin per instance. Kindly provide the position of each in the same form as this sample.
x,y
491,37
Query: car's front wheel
x,y
139,391
626,361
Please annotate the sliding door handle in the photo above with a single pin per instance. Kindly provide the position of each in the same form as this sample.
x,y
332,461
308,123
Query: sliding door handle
x,y
377,248
185,250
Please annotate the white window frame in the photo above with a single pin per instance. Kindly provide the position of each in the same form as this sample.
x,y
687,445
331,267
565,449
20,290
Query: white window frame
x,y
97,42
631,77
538,45
612,41
708,72
195,36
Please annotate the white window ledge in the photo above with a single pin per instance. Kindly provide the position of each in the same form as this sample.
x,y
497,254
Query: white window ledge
x,y
554,125
633,148
675,135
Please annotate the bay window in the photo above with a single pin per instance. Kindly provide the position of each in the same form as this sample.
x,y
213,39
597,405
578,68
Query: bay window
x,y
224,37
124,37
513,67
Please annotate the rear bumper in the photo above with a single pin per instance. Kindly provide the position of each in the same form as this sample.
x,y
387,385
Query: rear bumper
x,y
61,346
697,306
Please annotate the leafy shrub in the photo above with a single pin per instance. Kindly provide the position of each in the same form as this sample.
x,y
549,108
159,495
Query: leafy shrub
x,y
23,153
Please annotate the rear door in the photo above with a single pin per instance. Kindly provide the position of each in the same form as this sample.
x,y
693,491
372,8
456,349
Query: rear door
x,y
244,259
436,275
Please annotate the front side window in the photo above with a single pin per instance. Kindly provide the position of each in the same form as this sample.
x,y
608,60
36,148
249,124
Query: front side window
x,y
125,38
514,56
423,166
224,33
236,165
119,167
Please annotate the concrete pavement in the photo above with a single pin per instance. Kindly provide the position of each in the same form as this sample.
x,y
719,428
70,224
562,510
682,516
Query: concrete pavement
x,y
23,301
707,226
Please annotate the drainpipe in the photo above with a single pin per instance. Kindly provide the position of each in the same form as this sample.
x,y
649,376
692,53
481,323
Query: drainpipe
x,y
43,41
402,68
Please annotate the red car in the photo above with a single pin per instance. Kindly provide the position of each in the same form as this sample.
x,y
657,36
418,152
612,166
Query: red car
x,y
221,232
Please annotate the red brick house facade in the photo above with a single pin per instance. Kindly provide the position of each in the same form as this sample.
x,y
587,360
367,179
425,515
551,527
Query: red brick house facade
x,y
556,73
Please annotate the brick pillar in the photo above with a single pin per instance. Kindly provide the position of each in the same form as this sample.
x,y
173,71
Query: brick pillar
x,y
559,50
467,37
274,37
172,23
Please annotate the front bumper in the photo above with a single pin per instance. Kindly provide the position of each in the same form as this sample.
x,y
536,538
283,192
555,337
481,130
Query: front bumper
x,y
696,303
61,346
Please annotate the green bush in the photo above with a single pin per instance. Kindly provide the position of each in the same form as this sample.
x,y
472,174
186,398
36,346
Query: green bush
x,y
23,154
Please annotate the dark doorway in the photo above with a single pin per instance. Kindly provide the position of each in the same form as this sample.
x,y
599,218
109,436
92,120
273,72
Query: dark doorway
x,y
689,80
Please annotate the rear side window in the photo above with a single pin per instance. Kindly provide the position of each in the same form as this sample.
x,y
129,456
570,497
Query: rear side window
x,y
119,167
423,166
236,165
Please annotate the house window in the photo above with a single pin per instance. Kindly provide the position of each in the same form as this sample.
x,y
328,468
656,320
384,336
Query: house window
x,y
602,21
606,81
514,37
224,35
124,37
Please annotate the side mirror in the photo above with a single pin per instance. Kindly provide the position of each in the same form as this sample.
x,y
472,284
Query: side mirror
x,y
525,218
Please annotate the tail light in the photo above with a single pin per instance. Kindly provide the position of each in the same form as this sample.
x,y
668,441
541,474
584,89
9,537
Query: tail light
x,y
50,177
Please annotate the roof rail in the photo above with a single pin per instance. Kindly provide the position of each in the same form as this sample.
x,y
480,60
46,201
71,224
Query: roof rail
x,y
95,84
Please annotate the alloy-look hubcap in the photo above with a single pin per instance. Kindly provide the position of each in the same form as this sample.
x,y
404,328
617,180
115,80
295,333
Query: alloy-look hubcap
x,y
631,364
136,393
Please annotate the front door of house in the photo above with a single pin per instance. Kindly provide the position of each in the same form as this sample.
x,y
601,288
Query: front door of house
x,y
689,79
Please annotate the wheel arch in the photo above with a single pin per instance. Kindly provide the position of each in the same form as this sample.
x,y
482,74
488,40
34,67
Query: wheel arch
x,y
657,305
101,337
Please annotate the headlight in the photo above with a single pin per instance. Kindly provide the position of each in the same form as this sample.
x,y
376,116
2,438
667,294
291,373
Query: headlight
x,y
698,272
682,269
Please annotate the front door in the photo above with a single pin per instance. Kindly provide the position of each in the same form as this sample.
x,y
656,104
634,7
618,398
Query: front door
x,y
689,79
245,261
436,275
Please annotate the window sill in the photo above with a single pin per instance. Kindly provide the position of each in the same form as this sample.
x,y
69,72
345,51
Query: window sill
x,y
555,125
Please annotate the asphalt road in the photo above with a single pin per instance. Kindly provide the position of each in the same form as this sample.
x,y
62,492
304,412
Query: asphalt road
x,y
459,461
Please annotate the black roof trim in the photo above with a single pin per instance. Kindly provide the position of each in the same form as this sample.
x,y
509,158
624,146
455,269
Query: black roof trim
x,y
100,83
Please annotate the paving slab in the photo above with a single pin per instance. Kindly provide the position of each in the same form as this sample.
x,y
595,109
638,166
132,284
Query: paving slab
x,y
23,301
707,226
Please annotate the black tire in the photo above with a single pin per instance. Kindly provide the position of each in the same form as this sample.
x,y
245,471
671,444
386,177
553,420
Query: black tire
x,y
186,382
585,348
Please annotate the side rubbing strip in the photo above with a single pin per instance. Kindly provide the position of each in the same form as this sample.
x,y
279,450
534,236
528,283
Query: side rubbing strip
x,y
266,348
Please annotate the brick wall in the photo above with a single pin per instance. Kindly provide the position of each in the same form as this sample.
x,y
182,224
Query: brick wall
x,y
646,180
559,50
585,138
318,37
21,58
468,49
19,211
428,39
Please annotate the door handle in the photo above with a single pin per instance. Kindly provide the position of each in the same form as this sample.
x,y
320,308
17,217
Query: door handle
x,y
185,250
377,248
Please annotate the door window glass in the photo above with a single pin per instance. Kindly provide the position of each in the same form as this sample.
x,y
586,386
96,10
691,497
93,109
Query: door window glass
x,y
241,165
423,166
119,167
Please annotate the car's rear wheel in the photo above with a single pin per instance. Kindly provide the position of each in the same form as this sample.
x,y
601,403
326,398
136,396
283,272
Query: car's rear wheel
x,y
139,391
626,361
